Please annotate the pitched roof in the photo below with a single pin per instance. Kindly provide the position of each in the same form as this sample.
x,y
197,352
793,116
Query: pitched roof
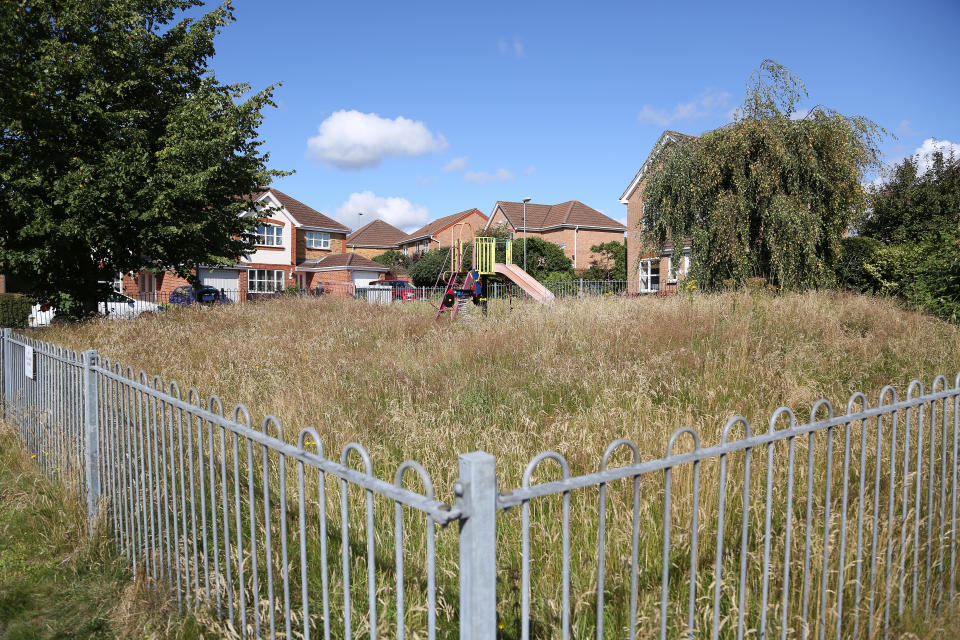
x,y
572,213
349,261
667,137
376,234
440,224
302,215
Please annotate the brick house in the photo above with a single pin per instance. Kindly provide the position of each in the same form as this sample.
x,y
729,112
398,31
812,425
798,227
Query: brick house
x,y
292,240
342,268
374,238
443,231
572,226
651,272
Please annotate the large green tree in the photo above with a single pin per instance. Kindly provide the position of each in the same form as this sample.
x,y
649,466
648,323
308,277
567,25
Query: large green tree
x,y
769,195
914,227
119,149
911,203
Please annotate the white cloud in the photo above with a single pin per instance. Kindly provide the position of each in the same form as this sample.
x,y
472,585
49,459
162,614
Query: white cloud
x,y
425,181
481,177
800,114
530,169
515,46
904,129
701,106
924,153
457,164
355,140
399,212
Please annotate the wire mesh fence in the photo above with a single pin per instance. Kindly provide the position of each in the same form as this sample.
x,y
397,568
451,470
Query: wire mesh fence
x,y
840,526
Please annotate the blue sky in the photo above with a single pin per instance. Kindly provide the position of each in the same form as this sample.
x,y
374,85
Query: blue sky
x,y
412,111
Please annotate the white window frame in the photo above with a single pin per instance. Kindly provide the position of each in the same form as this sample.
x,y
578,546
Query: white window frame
x,y
266,280
318,240
269,235
646,273
672,278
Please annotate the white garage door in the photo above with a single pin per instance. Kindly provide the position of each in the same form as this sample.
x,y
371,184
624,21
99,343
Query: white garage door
x,y
225,279
363,278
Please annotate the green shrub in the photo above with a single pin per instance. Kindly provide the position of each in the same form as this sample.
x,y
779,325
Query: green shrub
x,y
14,310
856,253
926,274
427,270
396,260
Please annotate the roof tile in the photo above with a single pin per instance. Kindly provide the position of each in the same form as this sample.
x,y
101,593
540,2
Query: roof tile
x,y
304,215
442,223
568,214
377,234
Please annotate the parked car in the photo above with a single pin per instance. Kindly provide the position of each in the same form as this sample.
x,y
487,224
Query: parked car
x,y
202,295
117,305
402,290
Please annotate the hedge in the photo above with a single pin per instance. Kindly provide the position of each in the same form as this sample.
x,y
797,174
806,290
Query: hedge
x,y
14,310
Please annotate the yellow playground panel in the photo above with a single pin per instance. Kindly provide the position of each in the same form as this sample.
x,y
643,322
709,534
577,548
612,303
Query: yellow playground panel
x,y
485,254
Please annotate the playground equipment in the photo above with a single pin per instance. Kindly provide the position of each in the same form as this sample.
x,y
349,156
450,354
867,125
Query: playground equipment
x,y
469,285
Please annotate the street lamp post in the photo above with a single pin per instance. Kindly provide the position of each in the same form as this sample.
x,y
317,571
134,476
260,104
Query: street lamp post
x,y
525,201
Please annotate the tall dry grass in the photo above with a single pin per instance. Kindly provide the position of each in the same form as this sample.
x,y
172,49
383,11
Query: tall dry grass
x,y
571,379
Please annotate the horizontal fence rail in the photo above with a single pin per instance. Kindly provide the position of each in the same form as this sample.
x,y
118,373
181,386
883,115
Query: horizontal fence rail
x,y
839,526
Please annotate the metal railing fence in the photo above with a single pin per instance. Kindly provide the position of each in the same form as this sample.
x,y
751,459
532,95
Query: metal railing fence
x,y
840,527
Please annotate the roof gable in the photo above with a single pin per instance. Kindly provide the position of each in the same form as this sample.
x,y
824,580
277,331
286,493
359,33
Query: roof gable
x,y
440,224
376,234
300,214
572,213
668,137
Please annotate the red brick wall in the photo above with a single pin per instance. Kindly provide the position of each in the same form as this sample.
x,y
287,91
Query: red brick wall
x,y
166,282
634,236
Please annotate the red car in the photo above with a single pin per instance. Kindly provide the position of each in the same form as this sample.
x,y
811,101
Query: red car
x,y
402,290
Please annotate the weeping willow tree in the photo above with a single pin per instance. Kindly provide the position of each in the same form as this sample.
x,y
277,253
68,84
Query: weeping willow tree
x,y
769,195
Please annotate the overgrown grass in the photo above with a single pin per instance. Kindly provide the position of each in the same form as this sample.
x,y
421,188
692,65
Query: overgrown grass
x,y
571,379
57,582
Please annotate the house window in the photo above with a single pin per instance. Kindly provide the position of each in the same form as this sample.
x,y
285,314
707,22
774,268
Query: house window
x,y
146,282
318,240
562,245
681,270
269,235
649,274
265,280
424,246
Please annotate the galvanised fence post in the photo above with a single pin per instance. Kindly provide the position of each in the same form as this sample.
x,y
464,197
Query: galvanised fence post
x,y
476,492
91,433
5,370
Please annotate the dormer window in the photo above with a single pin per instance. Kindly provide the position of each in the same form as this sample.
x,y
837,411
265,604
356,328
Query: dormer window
x,y
269,235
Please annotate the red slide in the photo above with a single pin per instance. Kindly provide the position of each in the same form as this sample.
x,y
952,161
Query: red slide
x,y
525,281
